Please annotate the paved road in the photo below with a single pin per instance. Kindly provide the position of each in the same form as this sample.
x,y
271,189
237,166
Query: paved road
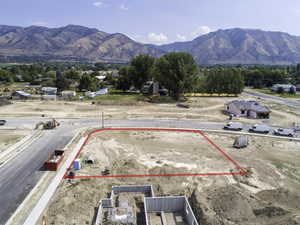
x,y
20,175
292,103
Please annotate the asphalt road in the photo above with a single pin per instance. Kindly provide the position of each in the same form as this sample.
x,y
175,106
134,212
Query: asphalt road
x,y
21,174
292,103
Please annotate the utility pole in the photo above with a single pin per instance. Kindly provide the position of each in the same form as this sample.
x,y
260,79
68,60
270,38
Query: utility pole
x,y
102,120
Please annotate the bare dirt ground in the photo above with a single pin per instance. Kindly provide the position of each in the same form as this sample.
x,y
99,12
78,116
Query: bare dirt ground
x,y
10,137
208,109
269,195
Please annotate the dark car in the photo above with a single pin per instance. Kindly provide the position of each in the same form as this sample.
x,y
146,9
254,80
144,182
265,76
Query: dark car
x,y
2,122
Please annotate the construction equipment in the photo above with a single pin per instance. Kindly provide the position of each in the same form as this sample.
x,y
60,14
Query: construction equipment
x,y
48,125
105,172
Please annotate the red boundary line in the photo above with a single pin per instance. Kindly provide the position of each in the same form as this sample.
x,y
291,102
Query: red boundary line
x,y
242,171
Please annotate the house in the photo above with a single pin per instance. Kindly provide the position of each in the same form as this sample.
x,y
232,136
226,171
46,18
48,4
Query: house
x,y
247,108
20,95
285,87
102,91
298,87
49,90
68,94
90,94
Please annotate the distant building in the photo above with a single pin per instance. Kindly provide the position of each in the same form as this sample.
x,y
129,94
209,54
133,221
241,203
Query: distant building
x,y
49,97
20,95
298,87
248,108
68,94
49,90
285,87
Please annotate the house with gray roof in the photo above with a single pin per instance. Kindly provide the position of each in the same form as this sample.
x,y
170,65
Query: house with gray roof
x,y
248,108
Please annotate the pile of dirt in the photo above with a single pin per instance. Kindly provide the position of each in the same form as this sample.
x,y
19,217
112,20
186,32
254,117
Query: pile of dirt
x,y
233,205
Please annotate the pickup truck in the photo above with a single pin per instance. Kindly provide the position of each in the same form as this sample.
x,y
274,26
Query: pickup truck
x,y
2,122
233,126
259,128
284,132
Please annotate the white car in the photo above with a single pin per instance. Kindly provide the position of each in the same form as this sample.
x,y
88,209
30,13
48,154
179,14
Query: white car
x,y
259,128
284,132
233,126
297,128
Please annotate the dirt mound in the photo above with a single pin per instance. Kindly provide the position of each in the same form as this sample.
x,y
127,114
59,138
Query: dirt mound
x,y
230,203
281,197
233,205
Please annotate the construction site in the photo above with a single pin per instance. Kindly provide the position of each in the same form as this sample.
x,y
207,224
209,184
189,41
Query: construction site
x,y
190,171
180,165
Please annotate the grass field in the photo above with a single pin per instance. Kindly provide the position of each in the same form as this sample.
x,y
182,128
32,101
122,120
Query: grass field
x,y
269,92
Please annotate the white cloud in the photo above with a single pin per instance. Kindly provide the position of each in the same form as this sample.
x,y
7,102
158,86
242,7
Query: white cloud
x,y
98,4
157,38
123,7
201,30
180,37
39,23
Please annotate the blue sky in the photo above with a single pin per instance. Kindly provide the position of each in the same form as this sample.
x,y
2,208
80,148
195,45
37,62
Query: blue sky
x,y
156,21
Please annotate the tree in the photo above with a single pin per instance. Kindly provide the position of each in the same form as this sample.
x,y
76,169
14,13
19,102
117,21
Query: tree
x,y
141,70
280,90
124,81
5,77
177,72
62,83
88,82
292,90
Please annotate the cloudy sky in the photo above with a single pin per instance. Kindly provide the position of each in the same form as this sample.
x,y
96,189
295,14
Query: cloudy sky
x,y
156,21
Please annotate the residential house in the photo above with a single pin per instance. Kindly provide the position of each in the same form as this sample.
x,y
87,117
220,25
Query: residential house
x,y
49,90
20,95
298,87
285,87
248,108
68,94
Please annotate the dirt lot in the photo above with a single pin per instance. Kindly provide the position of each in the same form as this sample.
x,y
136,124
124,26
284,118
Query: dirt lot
x,y
268,196
10,137
208,109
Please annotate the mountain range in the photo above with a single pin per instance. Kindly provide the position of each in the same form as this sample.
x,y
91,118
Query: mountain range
x,y
230,46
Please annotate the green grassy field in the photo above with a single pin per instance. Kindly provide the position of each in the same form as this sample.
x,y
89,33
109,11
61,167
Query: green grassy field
x,y
284,95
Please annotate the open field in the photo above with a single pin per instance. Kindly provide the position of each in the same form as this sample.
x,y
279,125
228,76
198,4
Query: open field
x,y
206,109
10,137
267,196
283,95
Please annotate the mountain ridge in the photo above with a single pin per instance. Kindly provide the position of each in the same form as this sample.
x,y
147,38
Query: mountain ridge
x,y
224,46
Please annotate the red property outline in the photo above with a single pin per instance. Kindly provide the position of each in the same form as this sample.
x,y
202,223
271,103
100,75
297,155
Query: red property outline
x,y
242,171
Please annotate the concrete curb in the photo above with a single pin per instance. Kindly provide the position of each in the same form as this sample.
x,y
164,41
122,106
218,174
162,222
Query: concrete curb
x,y
39,208
19,146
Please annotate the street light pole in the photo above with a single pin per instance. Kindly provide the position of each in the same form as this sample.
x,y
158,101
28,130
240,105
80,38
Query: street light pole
x,y
102,120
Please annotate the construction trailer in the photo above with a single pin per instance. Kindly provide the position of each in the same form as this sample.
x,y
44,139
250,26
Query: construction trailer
x,y
54,160
241,142
156,210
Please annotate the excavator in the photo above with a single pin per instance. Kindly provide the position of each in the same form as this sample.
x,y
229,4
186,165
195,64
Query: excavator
x,y
48,125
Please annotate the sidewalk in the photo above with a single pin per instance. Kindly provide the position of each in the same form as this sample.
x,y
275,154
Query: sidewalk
x,y
39,208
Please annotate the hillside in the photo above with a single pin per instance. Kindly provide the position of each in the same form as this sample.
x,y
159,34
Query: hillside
x,y
245,46
70,42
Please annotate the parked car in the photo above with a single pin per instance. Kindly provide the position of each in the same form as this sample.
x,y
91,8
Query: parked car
x,y
2,122
284,132
297,128
260,128
233,126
